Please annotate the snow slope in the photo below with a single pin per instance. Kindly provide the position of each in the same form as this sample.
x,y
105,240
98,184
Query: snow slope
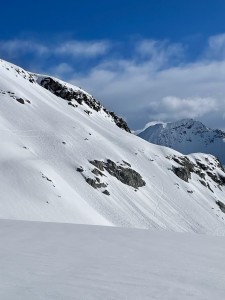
x,y
44,141
46,261
186,136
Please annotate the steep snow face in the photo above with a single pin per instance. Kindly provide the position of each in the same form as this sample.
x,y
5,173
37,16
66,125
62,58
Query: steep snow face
x,y
64,161
187,136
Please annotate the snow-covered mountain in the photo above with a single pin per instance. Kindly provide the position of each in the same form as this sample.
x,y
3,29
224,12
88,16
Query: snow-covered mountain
x,y
66,158
186,136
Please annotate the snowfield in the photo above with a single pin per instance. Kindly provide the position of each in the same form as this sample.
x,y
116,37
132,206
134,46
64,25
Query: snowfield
x,y
47,144
48,261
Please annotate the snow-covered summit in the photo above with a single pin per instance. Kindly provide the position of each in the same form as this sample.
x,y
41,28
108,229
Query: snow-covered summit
x,y
187,136
66,158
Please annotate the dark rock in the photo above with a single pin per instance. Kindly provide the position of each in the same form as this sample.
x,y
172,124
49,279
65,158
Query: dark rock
x,y
221,179
216,178
45,177
120,122
80,169
20,100
127,176
88,112
203,182
126,163
201,165
190,191
95,183
221,206
72,104
199,168
98,164
182,172
106,192
97,172
209,187
200,174
91,182
97,179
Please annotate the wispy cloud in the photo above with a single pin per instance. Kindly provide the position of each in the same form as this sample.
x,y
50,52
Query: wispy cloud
x,y
178,108
18,47
160,52
88,49
73,48
216,48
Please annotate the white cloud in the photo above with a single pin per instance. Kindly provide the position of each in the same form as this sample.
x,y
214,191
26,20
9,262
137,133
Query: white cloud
x,y
216,48
160,52
61,70
18,47
179,108
144,93
88,49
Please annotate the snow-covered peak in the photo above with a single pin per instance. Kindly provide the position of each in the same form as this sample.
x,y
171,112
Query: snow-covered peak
x,y
187,136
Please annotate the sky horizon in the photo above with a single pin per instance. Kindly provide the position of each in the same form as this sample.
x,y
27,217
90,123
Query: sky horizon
x,y
146,60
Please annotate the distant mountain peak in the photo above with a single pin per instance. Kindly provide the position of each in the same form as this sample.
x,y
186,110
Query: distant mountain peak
x,y
187,136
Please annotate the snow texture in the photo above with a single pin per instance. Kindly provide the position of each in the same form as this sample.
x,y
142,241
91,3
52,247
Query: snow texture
x,y
46,261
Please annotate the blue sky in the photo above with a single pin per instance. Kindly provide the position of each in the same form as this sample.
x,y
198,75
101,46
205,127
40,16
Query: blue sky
x,y
146,60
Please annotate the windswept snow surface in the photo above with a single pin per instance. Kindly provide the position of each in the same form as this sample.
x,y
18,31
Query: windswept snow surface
x,y
186,136
45,140
48,261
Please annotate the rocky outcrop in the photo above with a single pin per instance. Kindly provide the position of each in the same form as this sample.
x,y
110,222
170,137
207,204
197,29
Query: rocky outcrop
x,y
124,174
79,96
97,172
221,205
200,168
20,100
96,183
106,192
13,96
118,121
182,172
